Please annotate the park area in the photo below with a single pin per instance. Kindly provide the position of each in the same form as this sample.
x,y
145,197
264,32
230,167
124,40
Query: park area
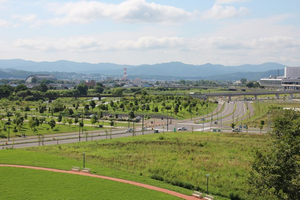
x,y
175,161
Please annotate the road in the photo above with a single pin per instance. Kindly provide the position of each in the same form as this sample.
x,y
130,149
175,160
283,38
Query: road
x,y
215,120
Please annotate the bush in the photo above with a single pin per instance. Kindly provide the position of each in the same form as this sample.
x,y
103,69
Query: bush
x,y
29,98
157,177
161,137
233,196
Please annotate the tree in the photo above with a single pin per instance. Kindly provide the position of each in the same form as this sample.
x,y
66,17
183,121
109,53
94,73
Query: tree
x,y
98,89
276,171
94,119
59,118
70,121
131,115
42,108
232,125
118,91
83,89
52,123
76,120
243,80
93,104
20,87
42,119
261,126
31,124
41,87
70,112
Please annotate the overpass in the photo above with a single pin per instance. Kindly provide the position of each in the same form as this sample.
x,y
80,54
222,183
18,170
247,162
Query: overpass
x,y
255,94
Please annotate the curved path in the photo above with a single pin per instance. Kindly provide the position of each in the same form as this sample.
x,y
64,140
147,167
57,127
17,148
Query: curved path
x,y
183,196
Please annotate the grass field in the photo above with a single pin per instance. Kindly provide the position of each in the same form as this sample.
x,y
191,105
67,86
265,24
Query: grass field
x,y
165,160
22,184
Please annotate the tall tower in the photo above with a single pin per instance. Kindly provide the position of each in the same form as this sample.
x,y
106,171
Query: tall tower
x,y
125,73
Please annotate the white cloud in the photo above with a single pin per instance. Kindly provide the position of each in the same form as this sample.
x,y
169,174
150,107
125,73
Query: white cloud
x,y
25,18
149,43
3,23
229,1
258,27
130,11
70,44
218,12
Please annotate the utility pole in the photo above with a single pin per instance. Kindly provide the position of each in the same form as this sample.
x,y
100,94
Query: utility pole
x,y
143,125
167,122
132,128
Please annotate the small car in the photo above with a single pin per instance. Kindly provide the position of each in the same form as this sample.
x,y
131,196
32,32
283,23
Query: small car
x,y
236,130
129,130
181,129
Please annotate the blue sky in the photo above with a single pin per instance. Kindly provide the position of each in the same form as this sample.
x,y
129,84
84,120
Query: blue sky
x,y
228,32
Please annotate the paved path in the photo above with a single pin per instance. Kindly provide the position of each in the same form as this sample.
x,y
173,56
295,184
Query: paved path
x,y
183,196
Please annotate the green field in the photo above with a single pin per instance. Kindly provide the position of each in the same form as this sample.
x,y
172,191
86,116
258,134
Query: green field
x,y
165,160
18,183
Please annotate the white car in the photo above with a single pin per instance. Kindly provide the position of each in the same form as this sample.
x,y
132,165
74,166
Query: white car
x,y
181,129
129,130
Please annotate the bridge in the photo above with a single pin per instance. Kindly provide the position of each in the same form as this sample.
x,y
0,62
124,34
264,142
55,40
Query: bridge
x,y
255,94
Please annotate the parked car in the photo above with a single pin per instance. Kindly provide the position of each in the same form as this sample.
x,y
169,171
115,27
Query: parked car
x,y
129,130
181,129
156,131
236,130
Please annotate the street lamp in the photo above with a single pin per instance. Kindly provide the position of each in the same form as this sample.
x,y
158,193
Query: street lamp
x,y
207,177
83,155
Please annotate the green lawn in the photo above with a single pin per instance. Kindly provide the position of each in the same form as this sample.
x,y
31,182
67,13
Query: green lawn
x,y
18,183
164,160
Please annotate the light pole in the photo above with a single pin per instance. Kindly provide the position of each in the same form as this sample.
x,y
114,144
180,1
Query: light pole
x,y
8,131
83,155
143,125
132,128
207,177
167,121
203,119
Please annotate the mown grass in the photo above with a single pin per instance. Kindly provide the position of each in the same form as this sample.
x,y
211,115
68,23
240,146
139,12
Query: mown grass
x,y
36,184
175,159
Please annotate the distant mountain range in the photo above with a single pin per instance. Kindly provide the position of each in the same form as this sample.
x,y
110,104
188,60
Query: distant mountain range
x,y
176,70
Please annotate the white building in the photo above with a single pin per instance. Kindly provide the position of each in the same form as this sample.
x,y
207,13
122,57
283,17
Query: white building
x,y
290,80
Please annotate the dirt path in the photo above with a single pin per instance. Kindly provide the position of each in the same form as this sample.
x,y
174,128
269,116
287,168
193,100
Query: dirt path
x,y
183,196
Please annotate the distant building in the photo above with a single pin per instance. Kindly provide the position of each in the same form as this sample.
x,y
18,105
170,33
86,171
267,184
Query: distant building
x,y
289,81
137,81
34,78
272,81
90,83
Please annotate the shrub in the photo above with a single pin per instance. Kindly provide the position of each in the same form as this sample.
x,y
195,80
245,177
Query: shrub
x,y
233,196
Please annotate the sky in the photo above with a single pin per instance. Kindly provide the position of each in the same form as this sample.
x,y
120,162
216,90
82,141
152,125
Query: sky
x,y
133,32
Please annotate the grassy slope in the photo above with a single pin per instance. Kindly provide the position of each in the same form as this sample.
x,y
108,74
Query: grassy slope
x,y
35,184
177,158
